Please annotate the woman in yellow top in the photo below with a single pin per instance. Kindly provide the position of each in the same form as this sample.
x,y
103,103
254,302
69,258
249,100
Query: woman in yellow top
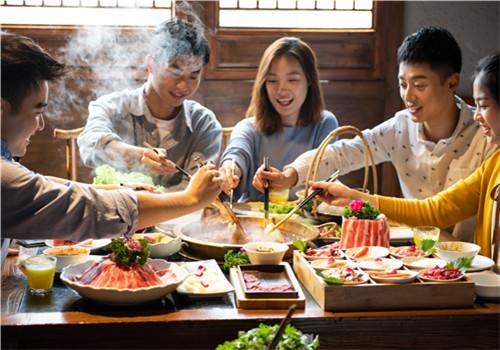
x,y
468,197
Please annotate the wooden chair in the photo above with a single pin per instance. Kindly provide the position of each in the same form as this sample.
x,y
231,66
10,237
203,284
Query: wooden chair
x,y
71,156
226,135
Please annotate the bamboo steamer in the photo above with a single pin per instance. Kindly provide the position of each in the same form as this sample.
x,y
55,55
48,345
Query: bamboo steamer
x,y
206,249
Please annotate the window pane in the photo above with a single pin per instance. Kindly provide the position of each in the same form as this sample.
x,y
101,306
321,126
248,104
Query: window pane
x,y
268,4
248,4
305,4
89,3
126,3
286,4
325,4
14,2
363,4
52,3
144,3
108,3
71,2
163,3
295,19
344,4
34,2
228,3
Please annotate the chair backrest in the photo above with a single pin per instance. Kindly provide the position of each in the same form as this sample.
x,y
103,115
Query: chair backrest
x,y
70,135
226,136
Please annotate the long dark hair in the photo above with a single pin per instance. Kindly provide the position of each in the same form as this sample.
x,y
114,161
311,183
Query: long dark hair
x,y
487,72
267,119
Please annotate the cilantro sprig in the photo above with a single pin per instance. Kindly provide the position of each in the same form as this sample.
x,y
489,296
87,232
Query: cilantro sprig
x,y
330,280
128,251
300,245
461,264
427,245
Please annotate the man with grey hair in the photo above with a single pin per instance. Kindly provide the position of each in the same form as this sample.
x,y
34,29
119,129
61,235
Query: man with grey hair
x,y
122,124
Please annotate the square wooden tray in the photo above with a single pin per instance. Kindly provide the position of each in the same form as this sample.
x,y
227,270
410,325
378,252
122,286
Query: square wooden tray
x,y
383,296
245,301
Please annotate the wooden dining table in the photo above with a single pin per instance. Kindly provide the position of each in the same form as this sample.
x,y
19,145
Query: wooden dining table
x,y
64,320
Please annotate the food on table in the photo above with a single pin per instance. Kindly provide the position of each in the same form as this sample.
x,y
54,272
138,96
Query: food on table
x,y
330,250
323,264
366,253
203,281
380,264
278,208
107,175
154,237
442,273
58,242
390,274
407,251
66,250
330,230
422,263
357,233
261,337
360,253
254,283
347,274
234,258
125,268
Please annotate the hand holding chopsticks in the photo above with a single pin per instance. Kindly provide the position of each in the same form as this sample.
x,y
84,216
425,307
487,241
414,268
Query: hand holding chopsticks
x,y
181,170
306,200
266,193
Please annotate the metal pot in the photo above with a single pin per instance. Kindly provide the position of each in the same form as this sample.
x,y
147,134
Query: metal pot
x,y
205,248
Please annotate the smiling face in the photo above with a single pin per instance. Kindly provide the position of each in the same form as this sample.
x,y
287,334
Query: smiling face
x,y
487,111
286,87
425,94
18,126
176,81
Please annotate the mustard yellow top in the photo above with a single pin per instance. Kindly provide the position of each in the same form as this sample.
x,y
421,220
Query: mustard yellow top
x,y
464,199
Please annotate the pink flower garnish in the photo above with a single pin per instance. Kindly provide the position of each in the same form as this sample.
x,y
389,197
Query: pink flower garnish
x,y
412,248
349,270
331,260
242,250
356,205
205,285
134,244
393,271
378,259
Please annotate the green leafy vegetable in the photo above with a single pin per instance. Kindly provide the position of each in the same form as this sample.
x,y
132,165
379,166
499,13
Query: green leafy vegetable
x,y
427,245
300,245
107,175
461,263
260,338
234,258
330,280
129,251
278,208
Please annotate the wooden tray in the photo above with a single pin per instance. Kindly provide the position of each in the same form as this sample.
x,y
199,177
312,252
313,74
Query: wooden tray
x,y
383,296
269,275
267,301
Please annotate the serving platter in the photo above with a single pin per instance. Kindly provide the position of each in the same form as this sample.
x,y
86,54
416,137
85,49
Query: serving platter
x,y
88,243
205,280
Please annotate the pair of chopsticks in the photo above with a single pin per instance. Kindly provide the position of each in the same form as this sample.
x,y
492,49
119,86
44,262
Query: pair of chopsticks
x,y
181,170
306,200
266,193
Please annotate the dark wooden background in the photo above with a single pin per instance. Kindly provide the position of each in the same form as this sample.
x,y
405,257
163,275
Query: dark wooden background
x,y
357,69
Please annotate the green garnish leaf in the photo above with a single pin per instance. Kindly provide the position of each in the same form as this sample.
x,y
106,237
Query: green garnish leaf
x,y
234,258
278,208
300,245
261,337
461,263
129,251
427,245
330,280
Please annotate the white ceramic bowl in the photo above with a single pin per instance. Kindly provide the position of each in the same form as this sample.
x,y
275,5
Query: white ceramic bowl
x,y
68,255
451,251
486,284
265,253
165,245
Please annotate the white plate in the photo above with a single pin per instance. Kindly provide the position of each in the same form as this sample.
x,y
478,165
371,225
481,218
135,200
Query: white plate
x,y
212,276
398,233
88,243
363,277
422,263
398,280
381,264
125,296
373,253
392,250
436,280
323,264
480,263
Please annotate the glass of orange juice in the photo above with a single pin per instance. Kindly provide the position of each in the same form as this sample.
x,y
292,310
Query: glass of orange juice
x,y
40,271
279,196
421,233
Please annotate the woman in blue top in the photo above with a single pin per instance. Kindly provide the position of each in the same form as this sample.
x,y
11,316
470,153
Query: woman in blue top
x,y
286,116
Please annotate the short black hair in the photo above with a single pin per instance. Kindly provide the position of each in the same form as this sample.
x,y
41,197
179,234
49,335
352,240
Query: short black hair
x,y
434,46
24,65
177,37
487,71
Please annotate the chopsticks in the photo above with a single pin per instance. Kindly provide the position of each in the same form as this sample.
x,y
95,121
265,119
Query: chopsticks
x,y
282,327
181,170
266,193
306,200
233,166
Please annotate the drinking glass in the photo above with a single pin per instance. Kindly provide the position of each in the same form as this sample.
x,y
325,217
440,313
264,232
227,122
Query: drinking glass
x,y
421,233
40,271
279,196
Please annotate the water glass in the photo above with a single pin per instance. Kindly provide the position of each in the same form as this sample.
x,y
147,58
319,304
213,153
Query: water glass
x,y
40,270
279,196
421,233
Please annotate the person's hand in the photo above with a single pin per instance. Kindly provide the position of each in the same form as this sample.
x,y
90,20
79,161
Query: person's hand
x,y
155,161
230,176
273,179
336,193
205,185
